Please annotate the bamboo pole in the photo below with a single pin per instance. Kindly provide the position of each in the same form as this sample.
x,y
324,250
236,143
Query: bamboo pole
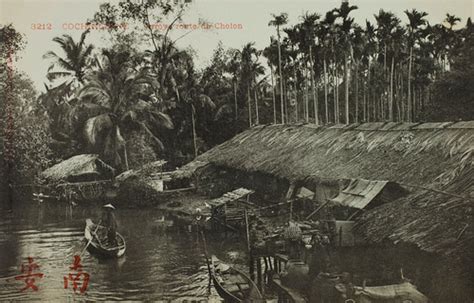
x,y
317,210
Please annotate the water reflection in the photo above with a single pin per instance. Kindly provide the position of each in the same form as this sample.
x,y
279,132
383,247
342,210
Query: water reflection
x,y
156,265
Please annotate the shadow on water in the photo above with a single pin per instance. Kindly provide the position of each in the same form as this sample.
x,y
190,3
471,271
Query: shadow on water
x,y
156,265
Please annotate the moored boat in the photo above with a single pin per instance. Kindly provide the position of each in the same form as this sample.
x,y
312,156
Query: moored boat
x,y
97,236
232,284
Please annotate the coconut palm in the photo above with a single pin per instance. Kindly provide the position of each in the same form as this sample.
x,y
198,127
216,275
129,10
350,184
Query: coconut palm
x,y
278,21
128,96
75,61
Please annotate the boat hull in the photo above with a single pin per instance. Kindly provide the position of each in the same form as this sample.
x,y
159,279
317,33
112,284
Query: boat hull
x,y
245,291
93,233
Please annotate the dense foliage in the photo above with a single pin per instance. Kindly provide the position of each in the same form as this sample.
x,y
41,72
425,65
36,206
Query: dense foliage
x,y
142,90
25,138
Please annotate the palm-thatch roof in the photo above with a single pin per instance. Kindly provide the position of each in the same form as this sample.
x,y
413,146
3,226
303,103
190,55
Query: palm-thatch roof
x,y
80,165
146,170
374,151
417,155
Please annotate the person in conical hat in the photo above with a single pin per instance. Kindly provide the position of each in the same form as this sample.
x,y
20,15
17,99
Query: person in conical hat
x,y
109,221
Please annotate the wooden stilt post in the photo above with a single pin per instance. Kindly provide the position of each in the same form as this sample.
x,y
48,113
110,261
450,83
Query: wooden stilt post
x,y
251,267
247,230
265,271
259,273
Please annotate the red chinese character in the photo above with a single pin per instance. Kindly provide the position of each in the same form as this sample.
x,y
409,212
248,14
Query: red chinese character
x,y
29,276
75,277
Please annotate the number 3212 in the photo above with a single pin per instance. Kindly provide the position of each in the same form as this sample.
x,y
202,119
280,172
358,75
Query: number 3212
x,y
41,26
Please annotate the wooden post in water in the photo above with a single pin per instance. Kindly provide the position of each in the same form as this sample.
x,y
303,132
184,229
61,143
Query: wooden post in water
x,y
259,274
247,230
249,248
251,267
208,262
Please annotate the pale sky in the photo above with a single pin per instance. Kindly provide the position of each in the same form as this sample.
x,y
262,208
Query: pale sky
x,y
252,15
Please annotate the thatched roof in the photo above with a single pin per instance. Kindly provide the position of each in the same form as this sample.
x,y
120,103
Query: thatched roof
x,y
86,164
433,221
145,170
431,155
373,151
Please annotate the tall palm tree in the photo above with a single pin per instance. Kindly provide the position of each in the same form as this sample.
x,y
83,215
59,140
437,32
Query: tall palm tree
x,y
329,36
293,40
234,68
271,53
250,70
278,21
370,47
128,96
387,23
416,20
452,20
75,61
309,27
343,12
357,39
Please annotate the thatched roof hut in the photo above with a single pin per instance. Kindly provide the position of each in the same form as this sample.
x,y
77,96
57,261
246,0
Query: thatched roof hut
x,y
418,156
86,167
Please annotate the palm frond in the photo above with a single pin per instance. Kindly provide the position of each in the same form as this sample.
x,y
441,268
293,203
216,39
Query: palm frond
x,y
152,136
96,126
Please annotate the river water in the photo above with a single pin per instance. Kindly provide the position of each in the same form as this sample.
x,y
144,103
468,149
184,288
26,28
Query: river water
x,y
157,265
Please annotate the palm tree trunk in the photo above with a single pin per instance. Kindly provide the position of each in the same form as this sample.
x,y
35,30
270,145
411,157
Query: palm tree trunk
x,y
285,88
313,88
356,118
402,93
346,88
235,100
295,93
414,104
306,103
273,96
281,77
125,156
367,115
193,121
249,106
364,104
390,103
397,89
335,95
257,121
409,107
326,110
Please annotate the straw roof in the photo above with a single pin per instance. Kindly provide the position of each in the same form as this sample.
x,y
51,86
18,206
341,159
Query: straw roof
x,y
373,151
431,155
433,221
145,170
86,164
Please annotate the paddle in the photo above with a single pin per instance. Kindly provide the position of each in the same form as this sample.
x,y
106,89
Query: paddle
x,y
88,243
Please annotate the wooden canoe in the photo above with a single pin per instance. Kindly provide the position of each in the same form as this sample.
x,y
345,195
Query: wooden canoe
x,y
97,235
232,284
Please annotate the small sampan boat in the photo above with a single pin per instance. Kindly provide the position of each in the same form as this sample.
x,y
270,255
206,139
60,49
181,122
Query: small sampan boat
x,y
97,236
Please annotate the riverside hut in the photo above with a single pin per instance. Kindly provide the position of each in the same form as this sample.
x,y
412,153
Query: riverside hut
x,y
81,177
429,223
